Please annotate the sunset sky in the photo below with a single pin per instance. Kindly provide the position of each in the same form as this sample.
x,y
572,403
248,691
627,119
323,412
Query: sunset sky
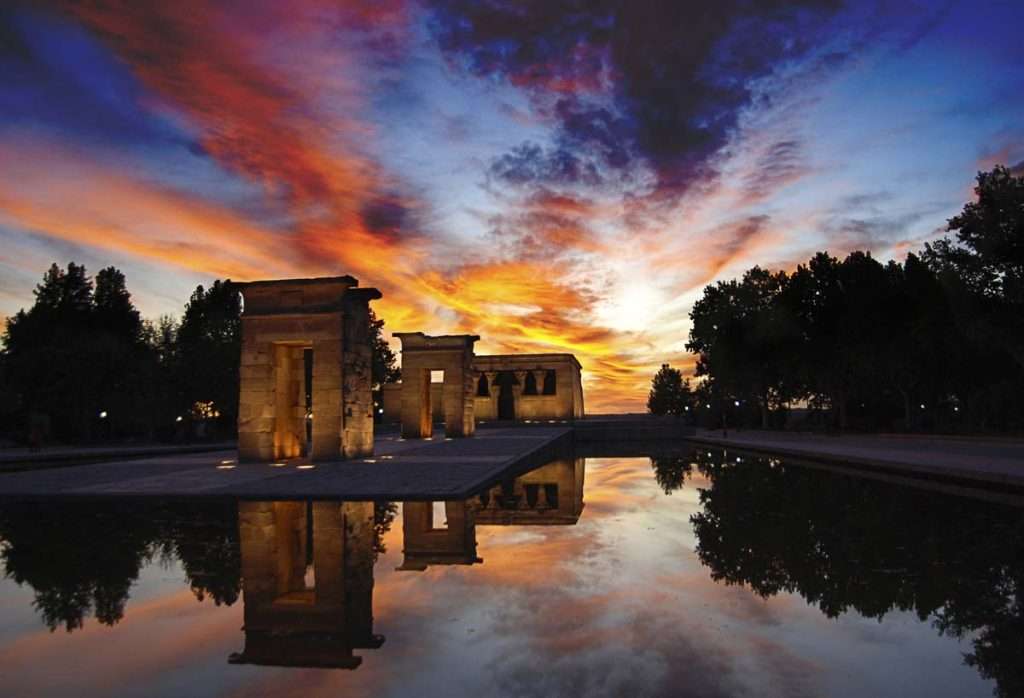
x,y
549,177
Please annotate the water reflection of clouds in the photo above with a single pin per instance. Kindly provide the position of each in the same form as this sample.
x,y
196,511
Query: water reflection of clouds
x,y
617,604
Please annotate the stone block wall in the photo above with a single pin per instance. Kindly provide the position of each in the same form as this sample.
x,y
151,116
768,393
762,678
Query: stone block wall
x,y
357,365
452,354
280,321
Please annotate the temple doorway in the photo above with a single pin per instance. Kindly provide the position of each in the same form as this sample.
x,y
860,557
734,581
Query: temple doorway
x,y
506,397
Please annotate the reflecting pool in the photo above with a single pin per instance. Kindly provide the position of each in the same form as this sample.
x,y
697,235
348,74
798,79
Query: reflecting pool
x,y
694,573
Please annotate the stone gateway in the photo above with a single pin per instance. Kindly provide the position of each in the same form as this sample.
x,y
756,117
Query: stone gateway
x,y
286,326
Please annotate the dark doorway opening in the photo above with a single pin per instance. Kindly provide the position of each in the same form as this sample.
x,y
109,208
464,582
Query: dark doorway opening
x,y
506,398
307,384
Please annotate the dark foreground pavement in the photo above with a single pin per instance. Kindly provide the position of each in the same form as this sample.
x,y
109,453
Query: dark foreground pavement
x,y
992,461
433,469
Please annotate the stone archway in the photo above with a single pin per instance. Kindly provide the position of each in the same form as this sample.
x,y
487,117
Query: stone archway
x,y
282,320
423,354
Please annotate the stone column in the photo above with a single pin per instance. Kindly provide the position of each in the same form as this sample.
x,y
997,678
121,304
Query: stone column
x,y
416,410
256,400
357,374
327,398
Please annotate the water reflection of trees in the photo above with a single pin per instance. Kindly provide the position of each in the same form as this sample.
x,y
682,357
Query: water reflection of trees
x,y
672,471
853,544
82,558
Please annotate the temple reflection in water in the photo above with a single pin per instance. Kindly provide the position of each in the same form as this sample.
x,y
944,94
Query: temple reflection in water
x,y
308,583
308,566
851,547
547,496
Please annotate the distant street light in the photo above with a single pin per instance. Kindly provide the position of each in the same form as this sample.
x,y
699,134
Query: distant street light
x,y
179,418
103,414
737,403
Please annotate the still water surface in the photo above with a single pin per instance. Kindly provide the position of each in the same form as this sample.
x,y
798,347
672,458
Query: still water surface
x,y
693,574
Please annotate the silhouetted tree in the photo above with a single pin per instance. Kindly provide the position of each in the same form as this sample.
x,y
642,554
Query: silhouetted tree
x,y
207,353
936,342
670,392
743,338
385,367
75,357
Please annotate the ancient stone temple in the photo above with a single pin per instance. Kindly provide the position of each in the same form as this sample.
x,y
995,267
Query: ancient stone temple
x,y
520,387
307,595
449,358
509,387
286,326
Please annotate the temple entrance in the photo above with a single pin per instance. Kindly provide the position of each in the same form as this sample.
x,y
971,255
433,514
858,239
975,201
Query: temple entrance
x,y
442,366
304,371
506,397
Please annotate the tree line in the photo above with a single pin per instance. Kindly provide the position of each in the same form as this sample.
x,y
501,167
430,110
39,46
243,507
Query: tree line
x,y
82,365
933,343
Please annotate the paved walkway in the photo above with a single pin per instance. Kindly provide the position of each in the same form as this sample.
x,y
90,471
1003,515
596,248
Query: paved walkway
x,y
998,461
56,456
400,469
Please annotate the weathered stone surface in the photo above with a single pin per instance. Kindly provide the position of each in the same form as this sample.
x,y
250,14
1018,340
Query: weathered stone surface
x,y
281,320
422,354
508,372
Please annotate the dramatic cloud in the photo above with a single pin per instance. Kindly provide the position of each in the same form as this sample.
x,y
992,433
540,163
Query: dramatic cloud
x,y
629,84
552,175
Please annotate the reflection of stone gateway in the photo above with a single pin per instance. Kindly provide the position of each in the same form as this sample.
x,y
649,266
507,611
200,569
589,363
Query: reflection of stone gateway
x,y
428,542
281,321
551,495
292,617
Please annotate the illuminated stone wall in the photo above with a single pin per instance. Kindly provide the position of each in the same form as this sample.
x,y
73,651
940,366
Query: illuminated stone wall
x,y
281,319
565,404
422,354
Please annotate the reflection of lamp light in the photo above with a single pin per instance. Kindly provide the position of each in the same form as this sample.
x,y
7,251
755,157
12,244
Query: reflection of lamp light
x,y
736,402
178,419
305,466
380,411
